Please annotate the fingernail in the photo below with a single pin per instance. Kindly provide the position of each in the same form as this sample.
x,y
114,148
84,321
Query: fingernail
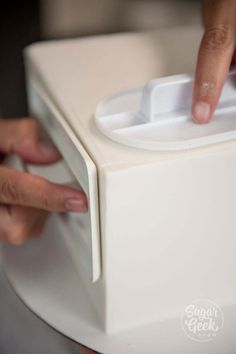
x,y
201,112
76,205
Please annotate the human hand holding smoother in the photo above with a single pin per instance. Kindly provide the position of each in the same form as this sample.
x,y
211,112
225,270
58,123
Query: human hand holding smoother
x,y
216,53
25,200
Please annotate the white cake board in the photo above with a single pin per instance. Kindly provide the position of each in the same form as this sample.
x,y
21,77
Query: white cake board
x,y
43,275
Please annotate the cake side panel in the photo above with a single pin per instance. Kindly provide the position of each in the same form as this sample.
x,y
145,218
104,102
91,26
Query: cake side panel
x,y
169,237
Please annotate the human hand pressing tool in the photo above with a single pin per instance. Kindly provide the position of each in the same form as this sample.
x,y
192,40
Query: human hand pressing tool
x,y
216,54
25,200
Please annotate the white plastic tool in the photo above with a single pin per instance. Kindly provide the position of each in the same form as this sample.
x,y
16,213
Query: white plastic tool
x,y
158,116
83,241
84,245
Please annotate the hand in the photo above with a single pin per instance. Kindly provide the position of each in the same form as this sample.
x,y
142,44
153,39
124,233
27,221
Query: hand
x,y
25,199
216,53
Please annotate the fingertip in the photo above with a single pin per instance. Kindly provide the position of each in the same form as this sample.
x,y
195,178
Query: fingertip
x,y
48,152
75,200
201,112
38,154
76,205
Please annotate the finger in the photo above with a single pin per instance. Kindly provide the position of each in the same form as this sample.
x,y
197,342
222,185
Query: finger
x,y
39,225
23,137
4,217
29,232
214,58
19,188
18,224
